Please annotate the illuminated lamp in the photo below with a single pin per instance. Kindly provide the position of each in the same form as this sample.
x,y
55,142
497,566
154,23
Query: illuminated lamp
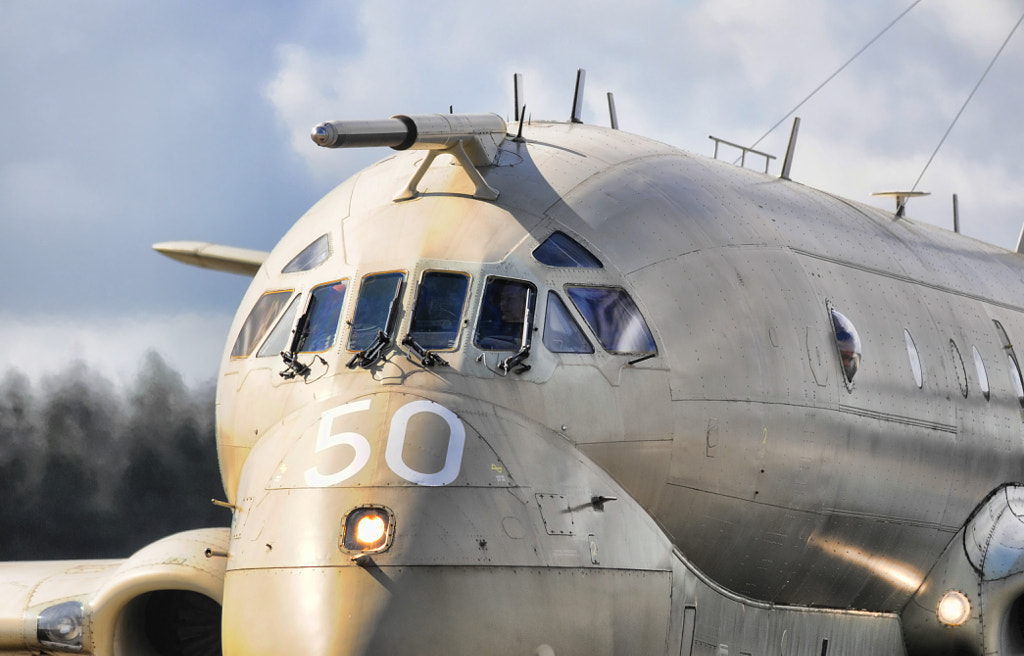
x,y
368,529
954,608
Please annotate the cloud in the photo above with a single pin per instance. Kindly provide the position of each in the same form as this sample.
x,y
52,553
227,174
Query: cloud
x,y
41,345
145,123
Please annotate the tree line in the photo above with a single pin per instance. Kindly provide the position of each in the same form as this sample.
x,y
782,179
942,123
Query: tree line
x,y
89,470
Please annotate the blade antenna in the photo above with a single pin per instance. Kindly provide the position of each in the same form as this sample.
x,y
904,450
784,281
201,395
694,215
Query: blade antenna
x,y
520,97
577,98
519,133
611,111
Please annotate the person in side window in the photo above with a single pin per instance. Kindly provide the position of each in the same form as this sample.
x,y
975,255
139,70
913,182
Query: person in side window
x,y
512,304
849,344
851,361
502,315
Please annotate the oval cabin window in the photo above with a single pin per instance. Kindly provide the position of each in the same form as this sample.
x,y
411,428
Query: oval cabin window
x,y
979,365
958,366
915,359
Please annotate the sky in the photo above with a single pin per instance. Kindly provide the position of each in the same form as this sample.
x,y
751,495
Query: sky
x,y
123,124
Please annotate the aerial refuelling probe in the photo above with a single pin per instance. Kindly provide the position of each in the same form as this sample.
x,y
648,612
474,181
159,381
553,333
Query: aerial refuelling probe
x,y
473,139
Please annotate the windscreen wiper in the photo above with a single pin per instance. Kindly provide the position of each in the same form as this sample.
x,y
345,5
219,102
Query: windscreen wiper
x,y
291,356
515,360
369,355
427,357
294,367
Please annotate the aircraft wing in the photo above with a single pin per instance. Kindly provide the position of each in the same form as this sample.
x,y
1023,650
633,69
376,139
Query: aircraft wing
x,y
242,261
108,606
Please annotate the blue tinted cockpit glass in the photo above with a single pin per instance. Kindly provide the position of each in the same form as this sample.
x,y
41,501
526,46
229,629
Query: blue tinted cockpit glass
x,y
311,256
321,324
614,318
376,308
505,314
280,336
438,314
561,250
258,322
561,332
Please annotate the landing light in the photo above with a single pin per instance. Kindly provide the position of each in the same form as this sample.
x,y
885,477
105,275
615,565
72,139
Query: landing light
x,y
60,627
368,529
954,608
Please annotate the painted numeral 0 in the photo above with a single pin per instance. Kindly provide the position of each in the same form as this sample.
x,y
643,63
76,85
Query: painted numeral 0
x,y
395,445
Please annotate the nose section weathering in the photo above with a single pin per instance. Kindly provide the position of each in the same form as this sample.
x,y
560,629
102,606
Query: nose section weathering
x,y
461,553
305,571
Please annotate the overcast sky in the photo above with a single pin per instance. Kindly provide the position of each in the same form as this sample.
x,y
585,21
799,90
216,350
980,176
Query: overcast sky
x,y
123,124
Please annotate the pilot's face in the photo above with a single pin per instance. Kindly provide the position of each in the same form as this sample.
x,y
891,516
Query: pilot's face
x,y
512,303
851,361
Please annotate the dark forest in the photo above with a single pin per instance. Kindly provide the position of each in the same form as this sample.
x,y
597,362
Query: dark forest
x,y
90,470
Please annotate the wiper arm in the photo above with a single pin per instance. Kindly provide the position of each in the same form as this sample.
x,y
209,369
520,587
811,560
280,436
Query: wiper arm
x,y
295,368
427,357
369,356
516,359
291,356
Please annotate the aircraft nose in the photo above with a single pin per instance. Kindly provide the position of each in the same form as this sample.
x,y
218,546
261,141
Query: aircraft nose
x,y
333,509
394,524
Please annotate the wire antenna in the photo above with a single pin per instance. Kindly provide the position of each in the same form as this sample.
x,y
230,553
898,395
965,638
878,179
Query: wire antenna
x,y
838,71
964,106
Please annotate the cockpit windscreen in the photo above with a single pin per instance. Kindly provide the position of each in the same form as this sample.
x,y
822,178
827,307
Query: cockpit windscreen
x,y
614,318
505,314
376,308
437,317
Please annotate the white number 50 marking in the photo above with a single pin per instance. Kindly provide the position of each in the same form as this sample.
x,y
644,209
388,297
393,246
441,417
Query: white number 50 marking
x,y
395,445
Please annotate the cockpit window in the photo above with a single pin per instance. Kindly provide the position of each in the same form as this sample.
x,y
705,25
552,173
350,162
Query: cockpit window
x,y
376,308
848,343
279,336
311,256
258,322
561,332
438,312
614,318
561,250
505,315
320,322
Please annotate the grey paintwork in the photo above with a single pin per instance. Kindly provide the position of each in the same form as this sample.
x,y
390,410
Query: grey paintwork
x,y
741,441
732,494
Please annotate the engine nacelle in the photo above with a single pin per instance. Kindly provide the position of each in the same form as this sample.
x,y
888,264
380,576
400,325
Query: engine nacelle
x,y
973,600
163,600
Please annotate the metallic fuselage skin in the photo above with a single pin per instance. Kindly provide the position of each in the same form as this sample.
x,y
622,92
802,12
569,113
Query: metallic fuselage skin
x,y
739,449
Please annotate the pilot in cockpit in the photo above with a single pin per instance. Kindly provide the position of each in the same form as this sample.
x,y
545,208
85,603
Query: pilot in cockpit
x,y
502,314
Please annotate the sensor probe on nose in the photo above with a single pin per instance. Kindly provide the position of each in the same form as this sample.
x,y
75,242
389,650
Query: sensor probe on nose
x,y
472,139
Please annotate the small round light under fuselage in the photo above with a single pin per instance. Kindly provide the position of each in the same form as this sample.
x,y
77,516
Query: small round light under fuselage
x,y
369,528
954,608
